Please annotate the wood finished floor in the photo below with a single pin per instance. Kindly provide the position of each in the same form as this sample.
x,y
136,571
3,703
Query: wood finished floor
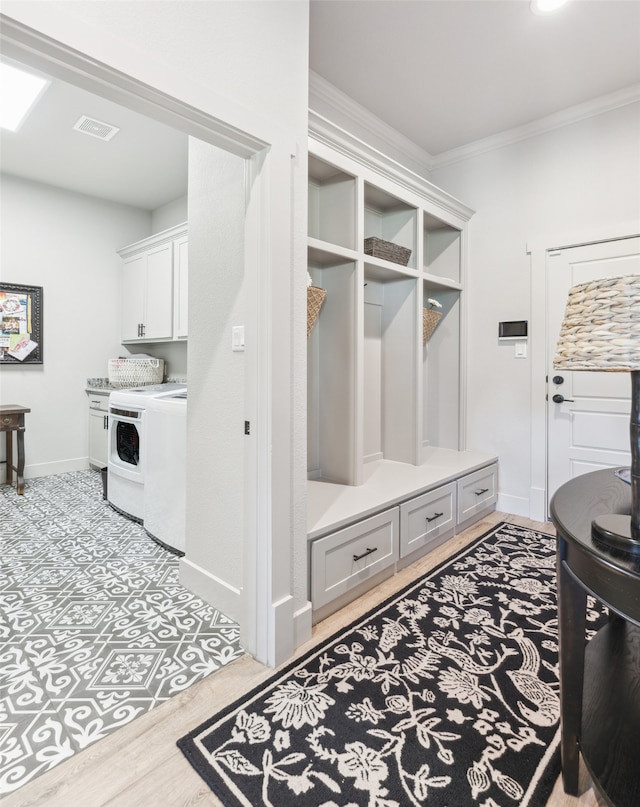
x,y
140,765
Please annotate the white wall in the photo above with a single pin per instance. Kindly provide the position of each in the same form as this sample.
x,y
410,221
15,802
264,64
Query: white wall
x,y
574,183
66,243
212,566
169,215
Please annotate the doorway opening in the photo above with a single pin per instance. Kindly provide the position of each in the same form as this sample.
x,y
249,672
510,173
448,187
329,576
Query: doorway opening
x,y
24,46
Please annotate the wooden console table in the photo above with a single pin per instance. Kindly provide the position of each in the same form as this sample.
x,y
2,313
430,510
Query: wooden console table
x,y
12,420
599,680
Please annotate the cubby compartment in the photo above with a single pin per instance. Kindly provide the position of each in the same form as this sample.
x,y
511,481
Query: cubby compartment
x,y
441,249
441,371
391,219
389,366
332,372
332,204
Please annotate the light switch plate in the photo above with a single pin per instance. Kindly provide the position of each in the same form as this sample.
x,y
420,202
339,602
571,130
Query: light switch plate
x,y
521,350
237,337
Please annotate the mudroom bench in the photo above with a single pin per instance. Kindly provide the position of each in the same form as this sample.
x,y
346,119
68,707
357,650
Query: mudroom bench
x,y
360,535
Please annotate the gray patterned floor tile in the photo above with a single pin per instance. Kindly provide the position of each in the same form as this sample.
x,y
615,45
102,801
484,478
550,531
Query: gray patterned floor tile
x,y
95,628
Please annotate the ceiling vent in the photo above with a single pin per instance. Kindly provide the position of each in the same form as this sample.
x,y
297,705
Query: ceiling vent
x,y
96,128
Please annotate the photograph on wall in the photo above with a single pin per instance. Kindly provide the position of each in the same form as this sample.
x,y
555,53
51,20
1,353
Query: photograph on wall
x,y
20,324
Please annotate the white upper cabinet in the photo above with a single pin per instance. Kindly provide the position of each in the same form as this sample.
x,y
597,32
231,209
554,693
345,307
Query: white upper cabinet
x,y
154,288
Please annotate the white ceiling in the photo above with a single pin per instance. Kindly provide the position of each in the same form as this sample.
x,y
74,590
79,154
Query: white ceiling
x,y
143,165
444,73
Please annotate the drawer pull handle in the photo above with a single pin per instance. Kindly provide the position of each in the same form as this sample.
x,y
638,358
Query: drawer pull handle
x,y
6,420
364,554
480,492
433,518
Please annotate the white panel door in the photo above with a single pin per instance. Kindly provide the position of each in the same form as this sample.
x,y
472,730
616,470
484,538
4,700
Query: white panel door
x,y
589,430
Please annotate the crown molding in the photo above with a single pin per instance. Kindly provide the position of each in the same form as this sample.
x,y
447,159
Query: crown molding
x,y
369,124
366,122
325,131
574,114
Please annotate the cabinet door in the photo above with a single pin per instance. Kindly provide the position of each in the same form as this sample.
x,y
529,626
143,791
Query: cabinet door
x,y
158,320
134,274
181,287
98,438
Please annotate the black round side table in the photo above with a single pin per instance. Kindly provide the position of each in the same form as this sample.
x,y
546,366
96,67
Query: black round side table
x,y
599,679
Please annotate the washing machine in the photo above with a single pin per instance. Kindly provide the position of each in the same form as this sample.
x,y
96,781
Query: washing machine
x,y
128,444
166,470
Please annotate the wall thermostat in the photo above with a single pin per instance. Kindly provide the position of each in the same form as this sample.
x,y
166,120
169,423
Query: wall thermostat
x,y
515,329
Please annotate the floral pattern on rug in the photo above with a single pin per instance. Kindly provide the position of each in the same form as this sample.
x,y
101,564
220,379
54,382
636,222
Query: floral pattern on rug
x,y
95,628
446,695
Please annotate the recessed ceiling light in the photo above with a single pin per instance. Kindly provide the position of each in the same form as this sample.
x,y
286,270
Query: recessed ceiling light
x,y
546,6
19,92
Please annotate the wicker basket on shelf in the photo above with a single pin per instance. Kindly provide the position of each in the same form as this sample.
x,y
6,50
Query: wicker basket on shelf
x,y
430,320
315,298
378,248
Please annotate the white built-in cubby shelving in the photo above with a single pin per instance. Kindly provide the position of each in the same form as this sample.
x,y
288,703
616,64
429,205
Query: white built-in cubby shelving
x,y
382,405
376,391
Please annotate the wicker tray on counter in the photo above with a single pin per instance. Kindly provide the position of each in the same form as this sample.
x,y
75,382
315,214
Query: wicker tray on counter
x,y
135,372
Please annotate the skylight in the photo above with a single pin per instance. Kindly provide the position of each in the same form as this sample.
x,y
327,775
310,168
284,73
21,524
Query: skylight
x,y
19,92
546,6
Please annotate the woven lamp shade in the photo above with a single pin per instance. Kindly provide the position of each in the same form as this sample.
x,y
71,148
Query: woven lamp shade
x,y
601,327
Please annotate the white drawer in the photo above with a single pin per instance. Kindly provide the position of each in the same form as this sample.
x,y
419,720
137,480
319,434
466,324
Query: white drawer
x,y
348,557
427,518
100,402
477,492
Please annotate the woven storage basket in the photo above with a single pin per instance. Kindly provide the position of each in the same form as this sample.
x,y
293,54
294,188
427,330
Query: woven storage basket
x,y
387,250
315,298
135,372
430,320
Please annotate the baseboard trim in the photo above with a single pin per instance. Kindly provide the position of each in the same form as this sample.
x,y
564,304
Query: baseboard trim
x,y
516,505
49,468
302,624
538,504
218,593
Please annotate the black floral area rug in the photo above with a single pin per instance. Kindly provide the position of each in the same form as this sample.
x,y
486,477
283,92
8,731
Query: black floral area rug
x,y
446,695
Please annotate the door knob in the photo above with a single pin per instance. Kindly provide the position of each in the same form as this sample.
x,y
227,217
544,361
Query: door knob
x,y
557,398
558,379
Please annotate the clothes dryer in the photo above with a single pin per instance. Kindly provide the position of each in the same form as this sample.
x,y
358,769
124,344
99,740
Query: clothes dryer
x,y
166,473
